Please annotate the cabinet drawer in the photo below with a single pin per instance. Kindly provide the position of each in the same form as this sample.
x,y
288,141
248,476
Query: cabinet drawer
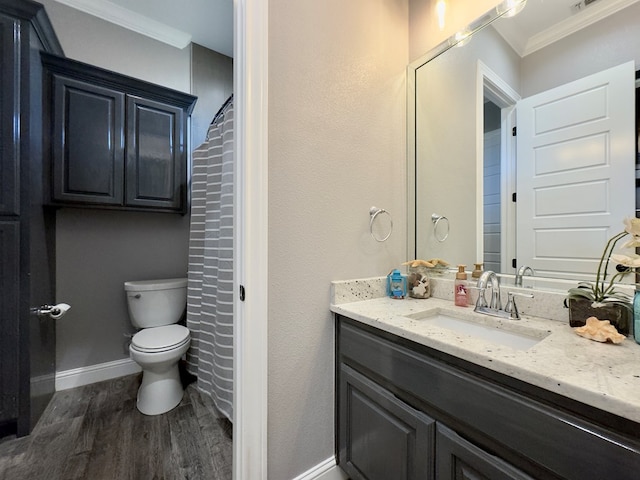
x,y
519,426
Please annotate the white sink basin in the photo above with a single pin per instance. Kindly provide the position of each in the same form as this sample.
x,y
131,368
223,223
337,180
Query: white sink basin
x,y
490,330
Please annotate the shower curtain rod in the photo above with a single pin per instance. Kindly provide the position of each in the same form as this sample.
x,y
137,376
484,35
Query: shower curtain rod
x,y
221,109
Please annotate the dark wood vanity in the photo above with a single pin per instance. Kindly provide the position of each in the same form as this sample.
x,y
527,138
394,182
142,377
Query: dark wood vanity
x,y
408,411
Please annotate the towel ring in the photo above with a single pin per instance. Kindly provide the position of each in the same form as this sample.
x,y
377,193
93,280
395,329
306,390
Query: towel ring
x,y
373,213
435,218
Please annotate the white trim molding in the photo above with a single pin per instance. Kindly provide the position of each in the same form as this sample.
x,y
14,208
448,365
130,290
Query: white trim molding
x,y
327,470
250,402
131,20
593,13
77,377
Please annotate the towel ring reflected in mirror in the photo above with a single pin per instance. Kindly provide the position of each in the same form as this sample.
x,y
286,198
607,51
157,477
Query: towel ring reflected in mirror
x,y
373,213
436,219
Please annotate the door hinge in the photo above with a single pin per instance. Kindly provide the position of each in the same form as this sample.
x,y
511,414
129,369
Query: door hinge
x,y
241,293
514,131
514,263
513,197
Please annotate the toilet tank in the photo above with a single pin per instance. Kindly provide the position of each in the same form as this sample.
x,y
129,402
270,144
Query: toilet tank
x,y
154,303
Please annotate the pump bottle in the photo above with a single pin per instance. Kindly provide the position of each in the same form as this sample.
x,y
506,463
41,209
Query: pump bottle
x,y
460,289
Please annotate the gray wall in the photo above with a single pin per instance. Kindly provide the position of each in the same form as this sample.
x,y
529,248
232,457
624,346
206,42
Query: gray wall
x,y
212,83
99,250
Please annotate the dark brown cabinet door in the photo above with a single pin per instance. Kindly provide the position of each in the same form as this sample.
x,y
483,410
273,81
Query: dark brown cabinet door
x,y
88,126
156,170
9,300
381,437
458,459
9,112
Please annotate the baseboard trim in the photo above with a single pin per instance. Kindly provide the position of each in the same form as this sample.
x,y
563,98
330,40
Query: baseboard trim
x,y
77,377
327,470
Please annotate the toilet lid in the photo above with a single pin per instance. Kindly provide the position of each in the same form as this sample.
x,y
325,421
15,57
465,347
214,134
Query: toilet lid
x,y
158,339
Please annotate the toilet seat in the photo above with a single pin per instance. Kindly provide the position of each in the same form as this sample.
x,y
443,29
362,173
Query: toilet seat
x,y
160,339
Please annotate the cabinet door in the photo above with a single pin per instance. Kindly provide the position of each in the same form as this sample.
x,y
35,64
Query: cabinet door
x,y
156,166
9,318
9,101
381,437
88,143
458,459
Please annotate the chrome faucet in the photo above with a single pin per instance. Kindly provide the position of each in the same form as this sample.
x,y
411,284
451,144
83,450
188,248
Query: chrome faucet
x,y
489,278
494,308
522,271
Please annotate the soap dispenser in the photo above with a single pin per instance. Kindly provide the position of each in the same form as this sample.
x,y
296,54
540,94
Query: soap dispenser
x,y
460,289
477,272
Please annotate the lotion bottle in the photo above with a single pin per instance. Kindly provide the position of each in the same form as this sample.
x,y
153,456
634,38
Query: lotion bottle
x,y
460,289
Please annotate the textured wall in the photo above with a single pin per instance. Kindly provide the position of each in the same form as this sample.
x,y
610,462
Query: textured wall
x,y
336,147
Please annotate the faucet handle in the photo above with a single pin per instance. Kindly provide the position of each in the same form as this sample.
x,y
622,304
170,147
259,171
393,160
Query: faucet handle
x,y
481,301
511,308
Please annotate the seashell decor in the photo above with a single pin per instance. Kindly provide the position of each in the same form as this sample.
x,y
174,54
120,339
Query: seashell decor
x,y
599,331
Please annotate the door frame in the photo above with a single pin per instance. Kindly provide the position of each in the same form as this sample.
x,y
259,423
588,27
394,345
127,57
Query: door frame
x,y
250,402
490,84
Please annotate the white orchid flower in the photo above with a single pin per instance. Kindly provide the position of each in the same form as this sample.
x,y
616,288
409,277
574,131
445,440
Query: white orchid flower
x,y
631,261
632,227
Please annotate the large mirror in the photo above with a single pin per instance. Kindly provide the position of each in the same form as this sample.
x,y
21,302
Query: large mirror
x,y
522,141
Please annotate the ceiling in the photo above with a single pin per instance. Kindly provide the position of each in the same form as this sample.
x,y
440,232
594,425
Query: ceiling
x,y
206,22
542,22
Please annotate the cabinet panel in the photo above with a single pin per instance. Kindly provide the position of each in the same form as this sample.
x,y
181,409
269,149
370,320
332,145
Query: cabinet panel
x,y
381,437
458,459
88,142
156,170
9,318
9,115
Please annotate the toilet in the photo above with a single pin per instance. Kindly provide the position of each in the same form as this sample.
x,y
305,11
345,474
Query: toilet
x,y
155,307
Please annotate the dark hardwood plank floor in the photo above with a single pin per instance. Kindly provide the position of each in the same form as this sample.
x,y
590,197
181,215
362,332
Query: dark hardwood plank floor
x,y
95,432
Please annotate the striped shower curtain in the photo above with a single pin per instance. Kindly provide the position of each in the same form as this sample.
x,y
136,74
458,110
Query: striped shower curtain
x,y
210,289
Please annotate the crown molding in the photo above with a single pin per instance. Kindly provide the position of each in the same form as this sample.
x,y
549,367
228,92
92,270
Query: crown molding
x,y
131,20
591,14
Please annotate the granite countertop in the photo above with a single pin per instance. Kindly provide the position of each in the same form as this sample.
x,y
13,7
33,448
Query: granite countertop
x,y
602,375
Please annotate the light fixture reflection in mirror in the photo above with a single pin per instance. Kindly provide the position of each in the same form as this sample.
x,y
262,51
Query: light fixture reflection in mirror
x,y
510,8
461,38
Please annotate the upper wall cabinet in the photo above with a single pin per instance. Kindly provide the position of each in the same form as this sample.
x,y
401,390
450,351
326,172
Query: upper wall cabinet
x,y
116,142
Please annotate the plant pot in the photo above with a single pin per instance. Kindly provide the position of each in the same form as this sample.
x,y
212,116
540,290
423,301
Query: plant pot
x,y
581,308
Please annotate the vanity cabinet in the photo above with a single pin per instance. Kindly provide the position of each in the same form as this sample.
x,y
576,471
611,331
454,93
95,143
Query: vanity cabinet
x,y
427,414
382,437
116,142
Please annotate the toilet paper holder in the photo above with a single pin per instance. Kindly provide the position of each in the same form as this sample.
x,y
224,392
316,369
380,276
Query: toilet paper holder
x,y
54,311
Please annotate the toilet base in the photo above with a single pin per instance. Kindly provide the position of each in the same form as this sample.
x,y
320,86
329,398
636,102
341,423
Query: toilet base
x,y
159,393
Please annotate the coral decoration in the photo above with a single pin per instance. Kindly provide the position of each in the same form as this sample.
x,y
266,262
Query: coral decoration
x,y
599,331
426,263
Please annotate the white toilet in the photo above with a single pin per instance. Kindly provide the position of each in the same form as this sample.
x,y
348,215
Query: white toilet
x,y
155,306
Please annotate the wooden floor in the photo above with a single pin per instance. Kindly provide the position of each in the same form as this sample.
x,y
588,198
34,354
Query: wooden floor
x,y
95,432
